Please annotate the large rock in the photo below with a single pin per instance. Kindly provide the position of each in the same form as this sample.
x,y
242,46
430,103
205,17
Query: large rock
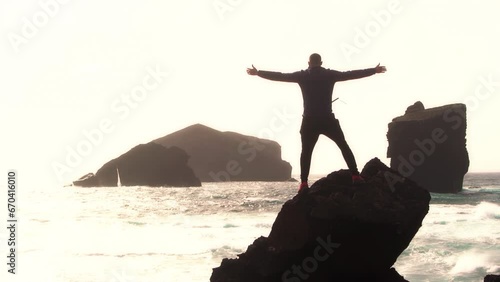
x,y
144,165
336,231
492,278
229,156
429,146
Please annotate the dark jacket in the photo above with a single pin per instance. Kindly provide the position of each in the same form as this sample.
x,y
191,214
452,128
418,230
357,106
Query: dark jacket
x,y
316,84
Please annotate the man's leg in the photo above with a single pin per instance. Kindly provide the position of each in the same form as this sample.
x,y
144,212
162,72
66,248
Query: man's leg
x,y
309,137
335,133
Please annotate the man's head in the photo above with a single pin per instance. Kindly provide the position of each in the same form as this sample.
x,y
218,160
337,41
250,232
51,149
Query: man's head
x,y
315,60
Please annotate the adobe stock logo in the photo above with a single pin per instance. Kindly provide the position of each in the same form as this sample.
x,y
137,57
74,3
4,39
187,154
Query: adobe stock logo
x,y
31,27
122,275
225,6
455,118
486,87
310,264
364,36
121,107
249,149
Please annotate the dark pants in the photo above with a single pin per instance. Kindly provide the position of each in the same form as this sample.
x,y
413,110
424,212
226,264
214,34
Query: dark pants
x,y
310,130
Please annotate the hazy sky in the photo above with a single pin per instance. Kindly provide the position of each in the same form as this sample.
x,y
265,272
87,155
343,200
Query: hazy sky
x,y
103,76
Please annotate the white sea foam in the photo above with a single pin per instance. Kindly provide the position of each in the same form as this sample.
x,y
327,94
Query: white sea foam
x,y
487,210
470,261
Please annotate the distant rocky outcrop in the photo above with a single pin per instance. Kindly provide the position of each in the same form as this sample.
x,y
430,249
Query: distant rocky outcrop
x,y
492,278
429,146
228,156
336,231
144,165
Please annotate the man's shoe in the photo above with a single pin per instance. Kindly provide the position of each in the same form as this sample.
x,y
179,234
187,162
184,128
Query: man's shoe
x,y
357,179
303,186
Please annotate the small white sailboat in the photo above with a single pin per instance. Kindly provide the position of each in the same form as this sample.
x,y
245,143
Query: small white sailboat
x,y
118,181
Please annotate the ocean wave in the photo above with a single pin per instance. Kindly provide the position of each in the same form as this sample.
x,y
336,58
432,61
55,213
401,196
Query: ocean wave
x,y
472,260
487,210
468,196
226,252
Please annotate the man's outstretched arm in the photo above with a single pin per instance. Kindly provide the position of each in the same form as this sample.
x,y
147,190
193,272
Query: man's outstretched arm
x,y
355,74
276,76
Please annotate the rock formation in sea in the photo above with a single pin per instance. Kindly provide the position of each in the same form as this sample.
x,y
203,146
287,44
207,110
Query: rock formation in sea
x,y
336,231
429,146
492,278
144,165
228,156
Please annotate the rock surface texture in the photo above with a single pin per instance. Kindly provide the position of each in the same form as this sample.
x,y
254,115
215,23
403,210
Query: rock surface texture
x,y
228,156
429,146
336,231
492,278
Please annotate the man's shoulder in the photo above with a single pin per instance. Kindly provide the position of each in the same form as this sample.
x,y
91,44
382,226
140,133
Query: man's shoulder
x,y
321,70
331,70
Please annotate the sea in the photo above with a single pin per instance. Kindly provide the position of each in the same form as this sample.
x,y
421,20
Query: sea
x,y
128,234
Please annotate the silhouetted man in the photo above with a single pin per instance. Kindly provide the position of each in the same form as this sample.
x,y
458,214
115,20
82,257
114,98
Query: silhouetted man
x,y
317,84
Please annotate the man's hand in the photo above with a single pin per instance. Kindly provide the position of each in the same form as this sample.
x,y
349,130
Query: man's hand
x,y
252,71
380,69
